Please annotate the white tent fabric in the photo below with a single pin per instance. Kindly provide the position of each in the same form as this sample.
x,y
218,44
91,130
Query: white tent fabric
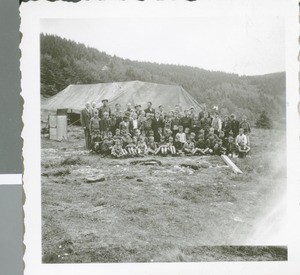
x,y
74,97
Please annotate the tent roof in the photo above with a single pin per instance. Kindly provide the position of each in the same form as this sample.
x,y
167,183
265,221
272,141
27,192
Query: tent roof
x,y
136,92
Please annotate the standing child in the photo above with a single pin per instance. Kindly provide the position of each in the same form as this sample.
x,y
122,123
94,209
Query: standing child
x,y
94,127
105,125
246,126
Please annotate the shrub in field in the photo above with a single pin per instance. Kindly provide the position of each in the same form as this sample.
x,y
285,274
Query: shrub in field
x,y
263,121
72,160
58,172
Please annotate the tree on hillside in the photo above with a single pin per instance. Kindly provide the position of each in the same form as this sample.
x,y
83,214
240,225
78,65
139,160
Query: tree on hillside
x,y
263,121
65,62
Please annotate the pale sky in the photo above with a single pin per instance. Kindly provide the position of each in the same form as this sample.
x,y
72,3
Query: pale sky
x,y
246,46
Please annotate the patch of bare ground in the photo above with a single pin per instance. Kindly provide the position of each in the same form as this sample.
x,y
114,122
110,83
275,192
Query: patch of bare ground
x,y
160,213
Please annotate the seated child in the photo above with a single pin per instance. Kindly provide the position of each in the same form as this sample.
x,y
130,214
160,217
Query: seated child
x,y
200,146
159,134
187,132
243,149
193,137
141,146
168,133
211,142
219,149
162,147
188,147
241,138
131,146
178,145
152,146
231,147
171,147
117,151
222,137
107,144
181,135
117,135
96,142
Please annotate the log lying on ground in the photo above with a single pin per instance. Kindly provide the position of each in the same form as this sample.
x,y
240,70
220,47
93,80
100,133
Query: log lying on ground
x,y
146,162
228,161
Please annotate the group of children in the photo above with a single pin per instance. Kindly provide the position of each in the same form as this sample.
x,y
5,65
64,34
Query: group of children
x,y
165,136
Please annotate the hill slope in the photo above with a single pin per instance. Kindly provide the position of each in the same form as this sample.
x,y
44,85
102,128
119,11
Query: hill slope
x,y
65,62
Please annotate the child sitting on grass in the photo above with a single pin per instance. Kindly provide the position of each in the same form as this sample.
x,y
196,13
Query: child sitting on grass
x,y
117,134
107,144
231,148
188,147
200,146
162,147
96,142
141,147
178,145
152,146
211,142
218,148
243,149
171,147
131,146
117,151
181,135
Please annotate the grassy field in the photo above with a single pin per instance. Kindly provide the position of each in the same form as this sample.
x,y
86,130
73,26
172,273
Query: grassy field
x,y
162,213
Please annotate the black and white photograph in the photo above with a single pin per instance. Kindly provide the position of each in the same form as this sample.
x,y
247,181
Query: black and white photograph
x,y
162,138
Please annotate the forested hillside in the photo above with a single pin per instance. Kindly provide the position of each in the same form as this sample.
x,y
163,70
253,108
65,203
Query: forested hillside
x,y
65,62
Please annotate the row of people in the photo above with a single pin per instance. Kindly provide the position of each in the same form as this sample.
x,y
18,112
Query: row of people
x,y
147,120
123,144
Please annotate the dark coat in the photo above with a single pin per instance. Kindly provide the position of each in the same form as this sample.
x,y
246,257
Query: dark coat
x,y
235,126
149,110
85,118
105,125
103,109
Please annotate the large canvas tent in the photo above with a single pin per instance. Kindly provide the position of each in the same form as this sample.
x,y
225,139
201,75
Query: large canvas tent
x,y
74,97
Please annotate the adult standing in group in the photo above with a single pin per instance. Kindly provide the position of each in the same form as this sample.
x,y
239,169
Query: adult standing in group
x,y
186,120
157,122
216,123
137,109
201,113
93,109
149,109
104,108
85,118
235,125
161,111
226,126
119,114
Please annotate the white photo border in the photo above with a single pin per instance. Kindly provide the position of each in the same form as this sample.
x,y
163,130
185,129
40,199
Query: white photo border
x,y
32,12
